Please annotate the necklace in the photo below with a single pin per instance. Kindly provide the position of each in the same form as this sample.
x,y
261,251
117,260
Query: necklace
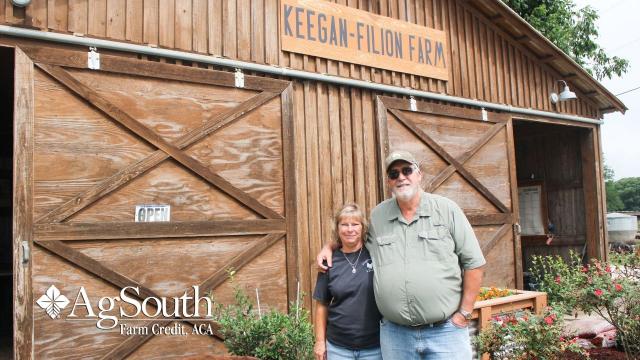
x,y
355,263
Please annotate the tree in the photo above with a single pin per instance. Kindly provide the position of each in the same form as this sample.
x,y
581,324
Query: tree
x,y
614,203
629,191
572,30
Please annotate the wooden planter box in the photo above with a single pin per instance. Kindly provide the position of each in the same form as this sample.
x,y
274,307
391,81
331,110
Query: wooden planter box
x,y
484,310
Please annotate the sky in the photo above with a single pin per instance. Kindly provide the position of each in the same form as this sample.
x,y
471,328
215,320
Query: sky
x,y
620,36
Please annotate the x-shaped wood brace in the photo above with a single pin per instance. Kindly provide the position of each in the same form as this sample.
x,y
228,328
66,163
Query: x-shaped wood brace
x,y
48,222
457,164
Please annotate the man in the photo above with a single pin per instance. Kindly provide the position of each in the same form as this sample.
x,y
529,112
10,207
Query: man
x,y
427,268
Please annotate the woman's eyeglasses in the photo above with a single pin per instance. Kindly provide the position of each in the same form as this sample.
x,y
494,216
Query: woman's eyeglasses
x,y
394,174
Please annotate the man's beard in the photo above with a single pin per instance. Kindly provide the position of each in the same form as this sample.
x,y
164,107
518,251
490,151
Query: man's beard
x,y
406,194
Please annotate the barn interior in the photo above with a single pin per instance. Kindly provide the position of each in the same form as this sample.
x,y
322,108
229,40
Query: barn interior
x,y
555,159
6,186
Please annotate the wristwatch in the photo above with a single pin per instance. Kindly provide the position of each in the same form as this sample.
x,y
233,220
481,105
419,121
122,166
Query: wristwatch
x,y
465,314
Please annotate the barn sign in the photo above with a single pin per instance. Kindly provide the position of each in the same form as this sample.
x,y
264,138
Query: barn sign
x,y
338,32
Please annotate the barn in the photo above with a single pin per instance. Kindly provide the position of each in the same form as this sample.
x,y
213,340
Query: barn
x,y
156,146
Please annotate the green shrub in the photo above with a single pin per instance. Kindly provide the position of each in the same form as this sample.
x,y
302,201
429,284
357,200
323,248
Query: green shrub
x,y
610,290
558,279
272,336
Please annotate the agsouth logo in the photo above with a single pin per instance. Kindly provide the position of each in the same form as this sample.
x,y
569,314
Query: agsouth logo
x,y
53,302
112,312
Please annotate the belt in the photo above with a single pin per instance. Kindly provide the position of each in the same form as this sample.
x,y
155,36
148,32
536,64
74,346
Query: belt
x,y
430,325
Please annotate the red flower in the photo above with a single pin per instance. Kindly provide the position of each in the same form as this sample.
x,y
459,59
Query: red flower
x,y
558,279
618,287
597,292
548,320
585,268
608,269
562,338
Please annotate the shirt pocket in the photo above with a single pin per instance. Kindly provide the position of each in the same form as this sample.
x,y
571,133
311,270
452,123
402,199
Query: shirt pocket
x,y
436,243
387,246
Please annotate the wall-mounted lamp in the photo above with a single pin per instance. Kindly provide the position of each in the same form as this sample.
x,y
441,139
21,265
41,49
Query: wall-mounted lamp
x,y
20,3
565,95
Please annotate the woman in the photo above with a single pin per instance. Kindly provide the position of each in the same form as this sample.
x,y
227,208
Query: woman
x,y
347,319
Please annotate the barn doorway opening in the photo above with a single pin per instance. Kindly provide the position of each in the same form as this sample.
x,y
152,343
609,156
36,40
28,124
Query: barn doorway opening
x,y
6,200
557,180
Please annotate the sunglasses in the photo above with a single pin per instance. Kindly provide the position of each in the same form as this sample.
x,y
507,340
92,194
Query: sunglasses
x,y
394,174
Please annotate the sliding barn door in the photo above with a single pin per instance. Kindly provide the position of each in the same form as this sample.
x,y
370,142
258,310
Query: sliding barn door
x,y
156,176
469,160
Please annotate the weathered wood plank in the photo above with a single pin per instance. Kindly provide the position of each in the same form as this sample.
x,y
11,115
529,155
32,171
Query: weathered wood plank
x,y
57,14
515,206
335,134
243,29
229,28
123,176
589,183
133,21
23,205
383,144
445,174
214,9
488,246
324,152
443,109
200,26
116,19
357,139
272,50
451,160
136,127
183,25
236,263
156,230
258,32
166,25
489,219
77,16
151,14
122,65
36,14
97,18
302,194
290,190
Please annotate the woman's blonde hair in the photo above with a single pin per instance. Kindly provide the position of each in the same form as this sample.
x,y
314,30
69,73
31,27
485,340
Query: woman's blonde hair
x,y
350,210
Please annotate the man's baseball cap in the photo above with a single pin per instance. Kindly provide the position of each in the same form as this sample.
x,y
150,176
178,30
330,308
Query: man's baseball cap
x,y
399,155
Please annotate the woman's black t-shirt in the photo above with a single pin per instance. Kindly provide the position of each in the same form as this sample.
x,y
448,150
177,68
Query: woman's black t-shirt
x,y
353,320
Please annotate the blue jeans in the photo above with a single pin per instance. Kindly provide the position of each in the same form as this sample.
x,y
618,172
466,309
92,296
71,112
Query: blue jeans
x,y
335,352
440,342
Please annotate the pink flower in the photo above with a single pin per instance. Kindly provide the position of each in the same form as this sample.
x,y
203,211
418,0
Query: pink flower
x,y
558,279
618,287
585,268
562,338
548,320
597,292
608,269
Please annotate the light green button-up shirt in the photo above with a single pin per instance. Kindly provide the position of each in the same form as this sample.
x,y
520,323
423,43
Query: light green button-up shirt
x,y
418,263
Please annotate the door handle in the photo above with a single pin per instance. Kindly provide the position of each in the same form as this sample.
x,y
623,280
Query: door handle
x,y
25,252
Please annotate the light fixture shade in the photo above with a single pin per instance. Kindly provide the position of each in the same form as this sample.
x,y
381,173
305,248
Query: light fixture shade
x,y
567,94
20,3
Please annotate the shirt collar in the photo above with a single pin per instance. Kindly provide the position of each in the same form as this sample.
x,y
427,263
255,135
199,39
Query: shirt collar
x,y
424,209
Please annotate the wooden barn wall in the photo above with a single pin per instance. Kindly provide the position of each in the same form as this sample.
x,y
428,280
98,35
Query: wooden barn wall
x,y
552,153
485,62
336,163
